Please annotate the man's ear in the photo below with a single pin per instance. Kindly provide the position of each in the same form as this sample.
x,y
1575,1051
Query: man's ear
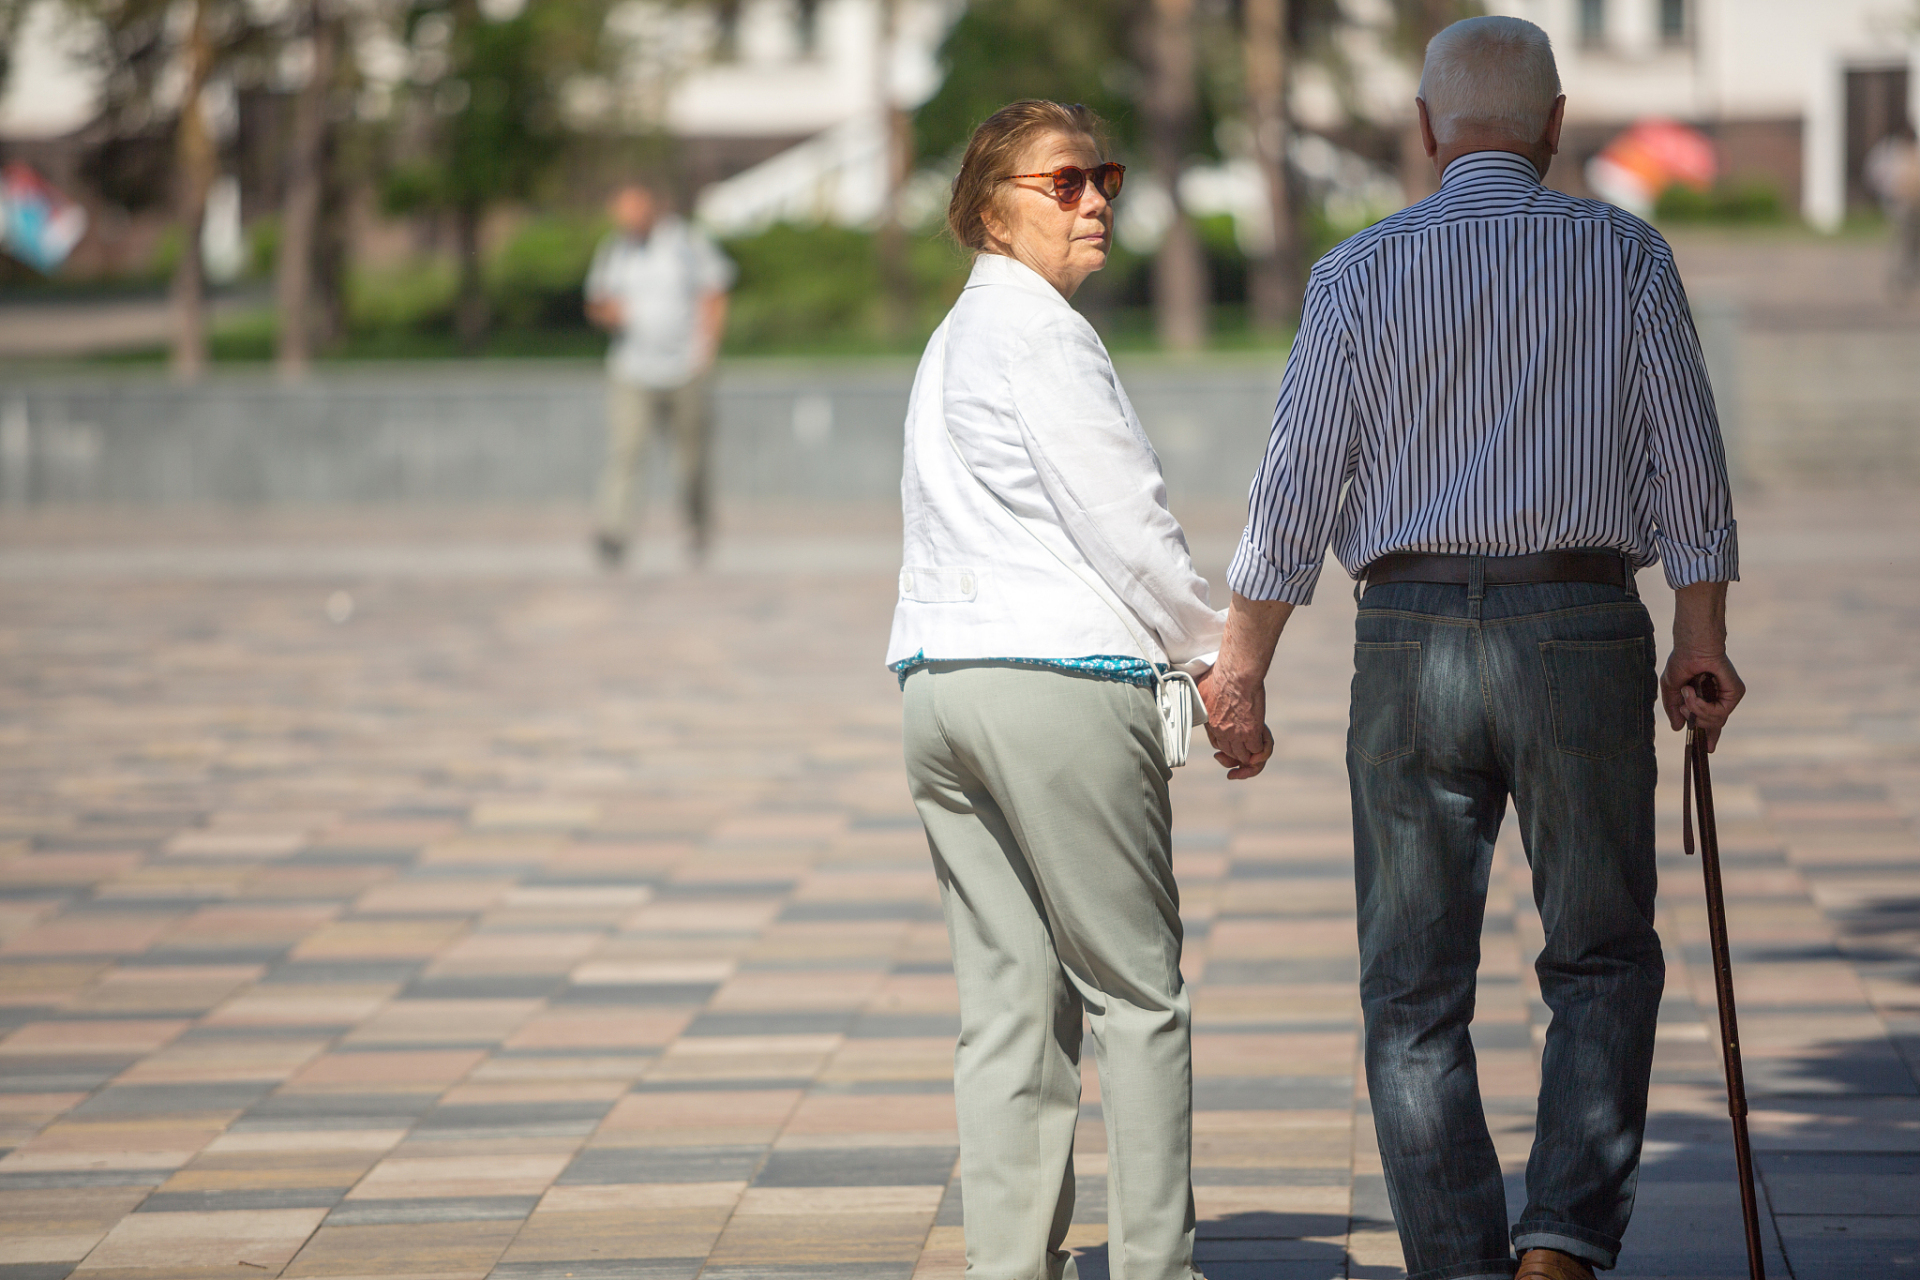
x,y
1427,140
1555,118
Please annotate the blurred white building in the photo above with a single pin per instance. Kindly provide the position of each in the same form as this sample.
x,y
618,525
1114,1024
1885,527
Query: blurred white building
x,y
780,106
1794,91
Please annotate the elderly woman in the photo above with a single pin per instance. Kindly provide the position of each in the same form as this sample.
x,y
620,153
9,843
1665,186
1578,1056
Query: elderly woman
x,y
1044,580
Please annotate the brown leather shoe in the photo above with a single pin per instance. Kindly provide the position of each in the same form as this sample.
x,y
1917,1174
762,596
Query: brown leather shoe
x,y
1551,1264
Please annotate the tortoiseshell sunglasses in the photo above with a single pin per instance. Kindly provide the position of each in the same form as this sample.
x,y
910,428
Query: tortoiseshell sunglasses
x,y
1069,181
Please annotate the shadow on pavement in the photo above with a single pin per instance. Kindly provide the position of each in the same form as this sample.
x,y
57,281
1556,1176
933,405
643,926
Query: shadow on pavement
x,y
1254,1246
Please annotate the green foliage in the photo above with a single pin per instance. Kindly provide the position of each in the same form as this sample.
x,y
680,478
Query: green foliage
x,y
495,108
533,284
412,297
820,289
535,280
497,143
1000,51
410,187
263,245
167,248
801,290
1750,201
1322,233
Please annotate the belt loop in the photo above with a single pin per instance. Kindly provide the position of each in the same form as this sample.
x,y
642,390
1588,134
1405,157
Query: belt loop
x,y
1626,569
1476,577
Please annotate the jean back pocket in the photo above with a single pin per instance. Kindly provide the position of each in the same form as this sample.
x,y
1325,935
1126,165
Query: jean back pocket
x,y
1602,694
1386,700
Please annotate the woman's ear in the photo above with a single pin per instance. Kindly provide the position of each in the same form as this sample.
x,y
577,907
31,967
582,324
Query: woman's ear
x,y
997,230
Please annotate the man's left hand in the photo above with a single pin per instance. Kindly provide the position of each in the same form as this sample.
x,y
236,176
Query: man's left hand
x,y
1235,689
1237,724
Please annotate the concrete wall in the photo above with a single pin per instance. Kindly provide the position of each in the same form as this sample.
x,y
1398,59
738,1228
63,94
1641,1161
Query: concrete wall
x,y
1805,406
504,434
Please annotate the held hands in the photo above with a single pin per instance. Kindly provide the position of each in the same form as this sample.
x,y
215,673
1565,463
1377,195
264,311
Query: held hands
x,y
1235,688
1236,724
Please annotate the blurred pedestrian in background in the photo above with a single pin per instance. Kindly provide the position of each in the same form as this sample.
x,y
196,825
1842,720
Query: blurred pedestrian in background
x,y
1495,411
660,287
1044,578
1893,172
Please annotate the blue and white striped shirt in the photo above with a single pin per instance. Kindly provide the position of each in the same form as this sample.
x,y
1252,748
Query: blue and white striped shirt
x,y
1499,369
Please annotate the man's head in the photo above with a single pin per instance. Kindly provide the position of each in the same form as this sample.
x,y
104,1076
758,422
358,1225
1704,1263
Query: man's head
x,y
1491,84
634,208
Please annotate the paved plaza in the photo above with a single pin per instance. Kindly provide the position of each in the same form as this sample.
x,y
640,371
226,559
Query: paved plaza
x,y
388,895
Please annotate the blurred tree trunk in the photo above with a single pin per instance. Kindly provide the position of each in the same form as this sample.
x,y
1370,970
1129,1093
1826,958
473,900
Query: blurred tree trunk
x,y
1171,103
198,165
1277,281
330,262
306,182
896,275
470,303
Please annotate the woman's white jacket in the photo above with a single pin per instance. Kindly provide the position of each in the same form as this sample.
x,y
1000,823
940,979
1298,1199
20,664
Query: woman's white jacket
x,y
1016,383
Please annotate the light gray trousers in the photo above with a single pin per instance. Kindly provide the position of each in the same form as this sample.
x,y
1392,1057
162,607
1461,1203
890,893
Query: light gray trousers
x,y
635,415
1045,800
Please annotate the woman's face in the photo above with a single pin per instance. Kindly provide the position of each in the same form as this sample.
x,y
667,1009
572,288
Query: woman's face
x,y
1064,243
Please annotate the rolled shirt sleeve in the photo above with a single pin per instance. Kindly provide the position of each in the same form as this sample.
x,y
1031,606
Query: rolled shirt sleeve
x,y
1687,491
1311,453
1103,478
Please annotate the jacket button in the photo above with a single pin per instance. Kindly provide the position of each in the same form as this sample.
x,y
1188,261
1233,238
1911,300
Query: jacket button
x,y
966,584
906,584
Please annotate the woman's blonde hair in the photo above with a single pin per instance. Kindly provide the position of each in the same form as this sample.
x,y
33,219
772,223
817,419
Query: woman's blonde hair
x,y
996,147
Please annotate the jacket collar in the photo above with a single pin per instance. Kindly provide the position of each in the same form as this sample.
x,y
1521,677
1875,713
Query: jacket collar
x,y
997,268
1489,168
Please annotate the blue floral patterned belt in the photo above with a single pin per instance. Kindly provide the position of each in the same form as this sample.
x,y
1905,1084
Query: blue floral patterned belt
x,y
1101,666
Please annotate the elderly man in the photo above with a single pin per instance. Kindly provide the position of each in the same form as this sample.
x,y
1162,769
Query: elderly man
x,y
1495,411
661,288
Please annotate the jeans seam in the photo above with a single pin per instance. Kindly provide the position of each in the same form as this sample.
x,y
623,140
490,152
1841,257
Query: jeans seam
x,y
1411,700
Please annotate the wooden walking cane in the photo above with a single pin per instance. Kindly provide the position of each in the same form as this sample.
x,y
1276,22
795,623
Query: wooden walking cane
x,y
1696,788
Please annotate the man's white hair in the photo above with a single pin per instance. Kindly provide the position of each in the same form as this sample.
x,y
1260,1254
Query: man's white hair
x,y
1490,73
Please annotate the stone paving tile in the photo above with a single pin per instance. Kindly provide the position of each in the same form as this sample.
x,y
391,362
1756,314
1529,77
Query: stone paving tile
x,y
562,928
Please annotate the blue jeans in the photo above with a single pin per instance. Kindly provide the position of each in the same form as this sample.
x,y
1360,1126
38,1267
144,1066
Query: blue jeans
x,y
1461,698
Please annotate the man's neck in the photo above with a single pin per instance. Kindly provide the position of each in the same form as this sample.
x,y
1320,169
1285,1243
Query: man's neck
x,y
1536,154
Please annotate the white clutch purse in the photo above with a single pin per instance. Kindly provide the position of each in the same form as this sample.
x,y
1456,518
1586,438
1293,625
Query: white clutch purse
x,y
1181,711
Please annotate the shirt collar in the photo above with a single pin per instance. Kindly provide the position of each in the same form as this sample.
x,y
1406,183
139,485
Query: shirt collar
x,y
1480,168
997,268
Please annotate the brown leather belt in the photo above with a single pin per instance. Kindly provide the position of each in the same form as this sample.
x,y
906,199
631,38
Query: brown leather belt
x,y
1606,567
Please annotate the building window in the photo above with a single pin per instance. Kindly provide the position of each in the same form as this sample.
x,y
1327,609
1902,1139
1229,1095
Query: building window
x,y
1673,21
1593,22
